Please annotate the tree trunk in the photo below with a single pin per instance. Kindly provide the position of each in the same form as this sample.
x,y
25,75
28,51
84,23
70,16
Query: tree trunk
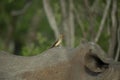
x,y
71,24
68,22
51,18
65,21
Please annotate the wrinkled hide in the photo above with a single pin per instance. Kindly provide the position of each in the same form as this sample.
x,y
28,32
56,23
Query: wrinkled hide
x,y
86,62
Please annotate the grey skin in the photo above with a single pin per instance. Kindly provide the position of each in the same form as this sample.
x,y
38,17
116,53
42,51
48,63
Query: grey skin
x,y
86,62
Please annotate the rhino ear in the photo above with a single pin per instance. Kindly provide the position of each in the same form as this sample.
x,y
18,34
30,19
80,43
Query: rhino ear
x,y
94,63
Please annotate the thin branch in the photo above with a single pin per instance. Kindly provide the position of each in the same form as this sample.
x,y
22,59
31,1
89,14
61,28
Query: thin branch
x,y
113,38
118,50
95,4
32,32
22,11
91,31
103,20
80,22
51,18
87,5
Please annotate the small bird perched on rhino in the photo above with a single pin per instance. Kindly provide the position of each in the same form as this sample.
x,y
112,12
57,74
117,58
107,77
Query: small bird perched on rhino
x,y
58,42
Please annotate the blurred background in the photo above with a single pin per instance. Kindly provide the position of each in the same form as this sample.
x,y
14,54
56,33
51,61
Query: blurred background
x,y
29,27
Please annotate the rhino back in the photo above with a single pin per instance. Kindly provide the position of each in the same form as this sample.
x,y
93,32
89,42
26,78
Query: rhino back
x,y
12,67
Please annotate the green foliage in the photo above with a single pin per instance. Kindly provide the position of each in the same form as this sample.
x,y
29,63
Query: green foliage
x,y
45,35
36,48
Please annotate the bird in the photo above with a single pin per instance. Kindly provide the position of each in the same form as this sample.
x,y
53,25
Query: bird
x,y
58,42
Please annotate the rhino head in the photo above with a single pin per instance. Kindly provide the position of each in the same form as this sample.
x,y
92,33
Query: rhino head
x,y
85,62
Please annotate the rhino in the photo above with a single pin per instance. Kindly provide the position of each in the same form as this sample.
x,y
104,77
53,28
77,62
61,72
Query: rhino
x,y
85,62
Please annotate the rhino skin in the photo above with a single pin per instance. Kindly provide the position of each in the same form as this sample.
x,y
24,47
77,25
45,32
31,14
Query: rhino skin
x,y
85,62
